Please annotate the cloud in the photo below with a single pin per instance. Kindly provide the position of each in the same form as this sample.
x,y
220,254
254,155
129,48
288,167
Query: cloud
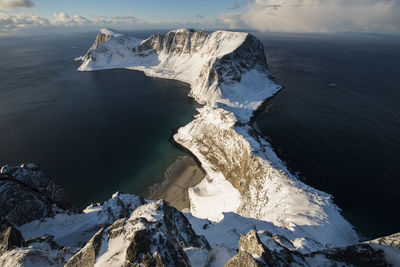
x,y
199,16
15,4
12,23
319,16
30,24
63,19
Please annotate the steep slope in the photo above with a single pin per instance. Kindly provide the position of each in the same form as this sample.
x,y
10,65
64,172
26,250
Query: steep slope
x,y
228,74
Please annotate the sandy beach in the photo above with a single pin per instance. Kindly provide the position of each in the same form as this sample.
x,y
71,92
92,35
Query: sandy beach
x,y
179,177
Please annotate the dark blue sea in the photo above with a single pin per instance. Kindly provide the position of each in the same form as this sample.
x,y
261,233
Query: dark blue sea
x,y
336,122
94,132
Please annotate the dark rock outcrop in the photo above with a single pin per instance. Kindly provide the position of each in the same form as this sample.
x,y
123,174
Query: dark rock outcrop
x,y
27,194
252,252
10,238
32,176
160,242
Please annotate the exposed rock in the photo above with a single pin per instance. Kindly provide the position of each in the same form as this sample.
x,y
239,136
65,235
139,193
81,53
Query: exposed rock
x,y
87,255
251,243
116,208
242,259
357,255
32,176
252,250
27,194
10,238
19,204
280,256
155,234
49,239
178,225
42,251
390,240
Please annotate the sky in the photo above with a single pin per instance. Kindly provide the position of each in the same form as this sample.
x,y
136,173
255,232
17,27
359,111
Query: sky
x,y
328,16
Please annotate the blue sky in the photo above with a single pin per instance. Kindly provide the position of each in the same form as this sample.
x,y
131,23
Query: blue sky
x,y
163,10
38,16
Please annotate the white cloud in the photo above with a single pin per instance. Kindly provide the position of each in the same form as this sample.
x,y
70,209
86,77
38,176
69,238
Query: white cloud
x,y
319,16
63,19
20,23
12,23
15,4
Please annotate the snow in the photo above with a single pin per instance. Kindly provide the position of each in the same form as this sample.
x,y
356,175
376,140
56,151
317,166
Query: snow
x,y
110,32
216,193
76,229
229,152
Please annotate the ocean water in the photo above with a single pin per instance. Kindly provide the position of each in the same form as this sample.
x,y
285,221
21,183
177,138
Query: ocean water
x,y
94,132
337,121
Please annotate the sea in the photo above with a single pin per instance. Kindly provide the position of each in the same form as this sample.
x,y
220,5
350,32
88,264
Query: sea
x,y
95,133
336,123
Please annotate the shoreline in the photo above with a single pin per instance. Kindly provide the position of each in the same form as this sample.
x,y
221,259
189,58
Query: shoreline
x,y
181,175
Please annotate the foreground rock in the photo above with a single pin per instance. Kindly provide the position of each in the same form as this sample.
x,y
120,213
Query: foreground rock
x,y
129,231
253,252
27,194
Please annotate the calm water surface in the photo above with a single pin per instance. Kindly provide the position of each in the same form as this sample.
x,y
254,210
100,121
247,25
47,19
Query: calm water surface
x,y
337,122
94,132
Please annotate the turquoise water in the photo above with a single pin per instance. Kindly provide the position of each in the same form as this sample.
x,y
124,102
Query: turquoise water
x,y
94,132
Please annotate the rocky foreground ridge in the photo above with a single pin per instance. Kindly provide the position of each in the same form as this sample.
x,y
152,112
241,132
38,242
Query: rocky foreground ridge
x,y
130,231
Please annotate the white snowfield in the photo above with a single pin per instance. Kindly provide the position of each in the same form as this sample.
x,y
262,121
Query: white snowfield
x,y
244,175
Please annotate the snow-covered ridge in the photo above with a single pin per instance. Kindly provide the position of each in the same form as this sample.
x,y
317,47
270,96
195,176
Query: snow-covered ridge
x,y
228,74
213,64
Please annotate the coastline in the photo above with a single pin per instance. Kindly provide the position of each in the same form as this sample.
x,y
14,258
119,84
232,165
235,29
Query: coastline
x,y
246,175
181,175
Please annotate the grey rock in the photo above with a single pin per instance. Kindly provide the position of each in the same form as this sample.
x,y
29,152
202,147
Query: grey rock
x,y
33,177
173,232
27,194
158,242
253,251
87,255
242,259
19,204
10,238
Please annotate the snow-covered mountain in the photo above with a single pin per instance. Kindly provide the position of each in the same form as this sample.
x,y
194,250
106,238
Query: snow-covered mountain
x,y
249,209
228,74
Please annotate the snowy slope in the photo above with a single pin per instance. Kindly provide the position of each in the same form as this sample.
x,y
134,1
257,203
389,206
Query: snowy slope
x,y
128,231
227,72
